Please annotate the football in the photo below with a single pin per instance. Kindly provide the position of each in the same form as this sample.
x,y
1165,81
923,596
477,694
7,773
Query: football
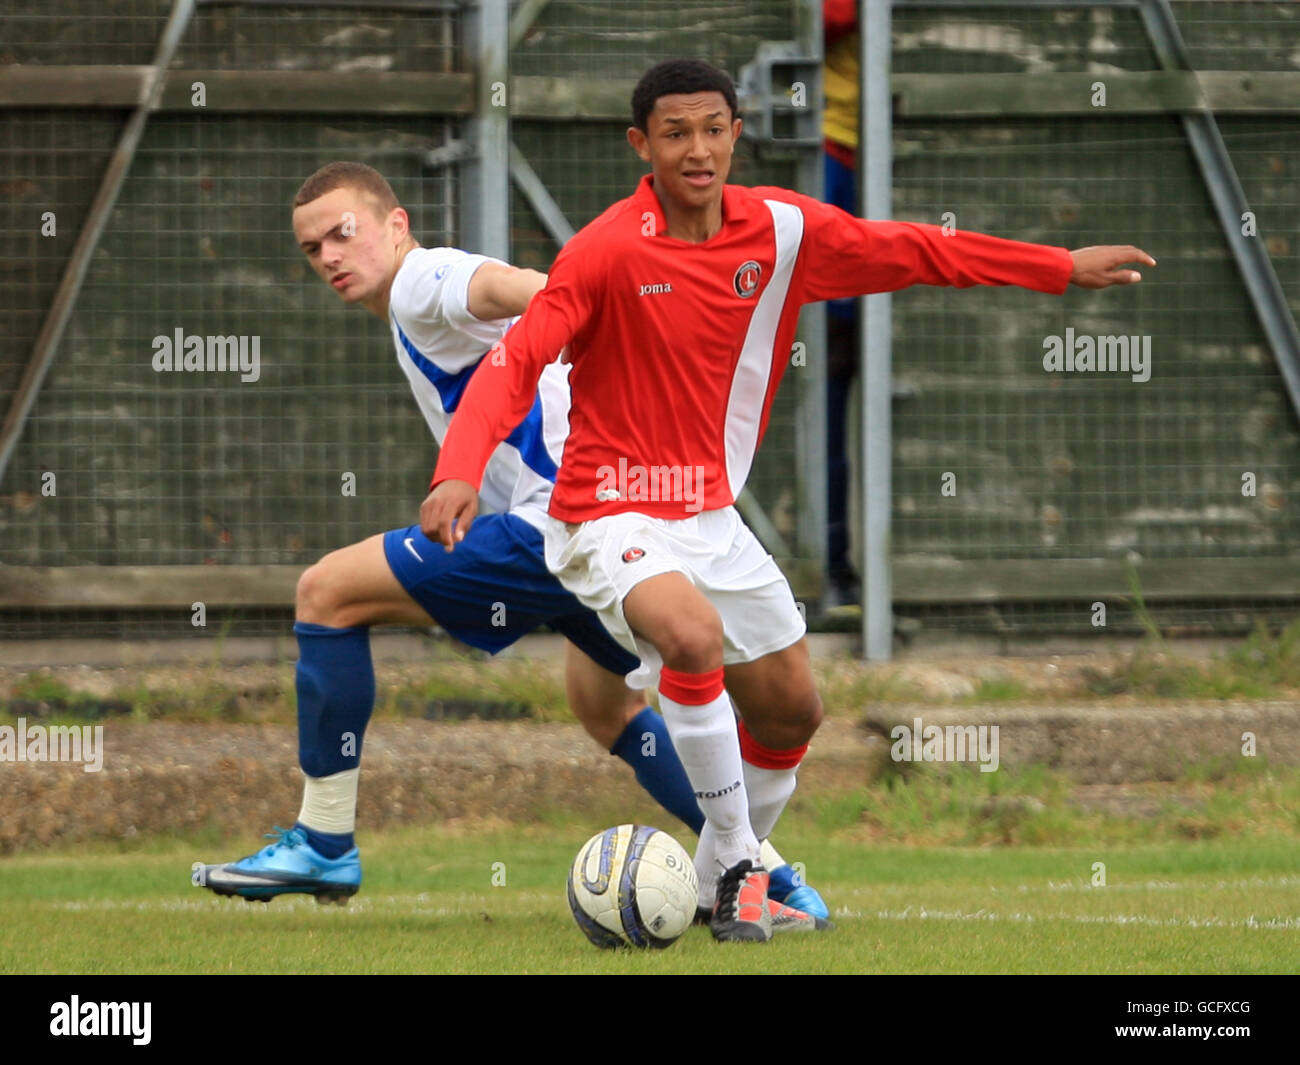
x,y
633,886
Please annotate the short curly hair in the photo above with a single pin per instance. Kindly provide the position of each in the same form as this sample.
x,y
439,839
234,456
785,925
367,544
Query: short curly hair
x,y
679,76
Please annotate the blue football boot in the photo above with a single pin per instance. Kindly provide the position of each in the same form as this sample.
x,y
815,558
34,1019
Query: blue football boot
x,y
787,888
290,865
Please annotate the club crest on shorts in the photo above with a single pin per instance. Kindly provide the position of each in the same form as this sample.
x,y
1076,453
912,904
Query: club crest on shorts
x,y
746,280
633,554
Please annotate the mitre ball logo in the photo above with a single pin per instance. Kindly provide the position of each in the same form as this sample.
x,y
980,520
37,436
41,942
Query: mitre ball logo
x,y
746,280
633,554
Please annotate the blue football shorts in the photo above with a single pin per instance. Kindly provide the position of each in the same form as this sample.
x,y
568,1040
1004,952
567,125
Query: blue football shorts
x,y
495,588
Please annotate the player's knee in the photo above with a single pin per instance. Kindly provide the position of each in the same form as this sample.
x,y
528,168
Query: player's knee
x,y
607,720
807,718
317,600
609,728
603,728
691,644
602,717
794,726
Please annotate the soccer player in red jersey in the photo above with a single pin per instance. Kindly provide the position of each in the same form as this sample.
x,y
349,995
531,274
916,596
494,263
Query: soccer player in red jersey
x,y
679,306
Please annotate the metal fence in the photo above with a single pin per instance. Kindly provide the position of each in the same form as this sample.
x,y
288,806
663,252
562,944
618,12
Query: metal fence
x,y
1072,489
1064,485
134,473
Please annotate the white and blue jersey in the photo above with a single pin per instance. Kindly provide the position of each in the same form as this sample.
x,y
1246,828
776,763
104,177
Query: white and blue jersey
x,y
440,343
495,587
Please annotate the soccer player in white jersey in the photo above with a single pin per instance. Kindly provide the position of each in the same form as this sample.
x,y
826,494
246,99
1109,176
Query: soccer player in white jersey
x,y
445,308
686,295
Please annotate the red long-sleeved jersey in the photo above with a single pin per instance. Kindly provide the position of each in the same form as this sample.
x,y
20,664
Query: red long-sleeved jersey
x,y
678,348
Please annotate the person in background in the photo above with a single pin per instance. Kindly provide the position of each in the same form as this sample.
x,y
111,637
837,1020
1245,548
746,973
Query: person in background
x,y
840,83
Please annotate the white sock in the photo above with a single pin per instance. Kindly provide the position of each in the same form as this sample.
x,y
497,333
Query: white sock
x,y
769,790
771,856
329,804
706,742
707,868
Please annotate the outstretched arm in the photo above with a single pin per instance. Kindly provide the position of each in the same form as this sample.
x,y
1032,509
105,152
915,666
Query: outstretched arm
x,y
850,256
1099,266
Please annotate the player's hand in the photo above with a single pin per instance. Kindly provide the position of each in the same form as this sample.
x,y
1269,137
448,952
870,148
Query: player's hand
x,y
1099,267
448,512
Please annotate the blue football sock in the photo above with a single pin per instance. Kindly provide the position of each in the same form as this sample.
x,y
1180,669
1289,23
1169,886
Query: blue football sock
x,y
325,844
336,694
782,882
647,748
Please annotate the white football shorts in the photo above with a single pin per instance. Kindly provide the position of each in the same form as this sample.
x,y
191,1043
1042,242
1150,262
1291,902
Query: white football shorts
x,y
601,561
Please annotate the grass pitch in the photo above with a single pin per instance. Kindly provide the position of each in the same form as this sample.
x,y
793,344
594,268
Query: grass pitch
x,y
430,904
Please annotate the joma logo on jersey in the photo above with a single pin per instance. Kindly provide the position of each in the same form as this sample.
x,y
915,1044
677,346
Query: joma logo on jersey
x,y
746,280
654,290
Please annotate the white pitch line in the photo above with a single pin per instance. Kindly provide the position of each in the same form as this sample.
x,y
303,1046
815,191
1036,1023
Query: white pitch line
x,y
1084,885
297,901
1169,885
920,913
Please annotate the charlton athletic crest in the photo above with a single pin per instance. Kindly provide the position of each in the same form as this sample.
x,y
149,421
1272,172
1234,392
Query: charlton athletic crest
x,y
746,280
633,554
